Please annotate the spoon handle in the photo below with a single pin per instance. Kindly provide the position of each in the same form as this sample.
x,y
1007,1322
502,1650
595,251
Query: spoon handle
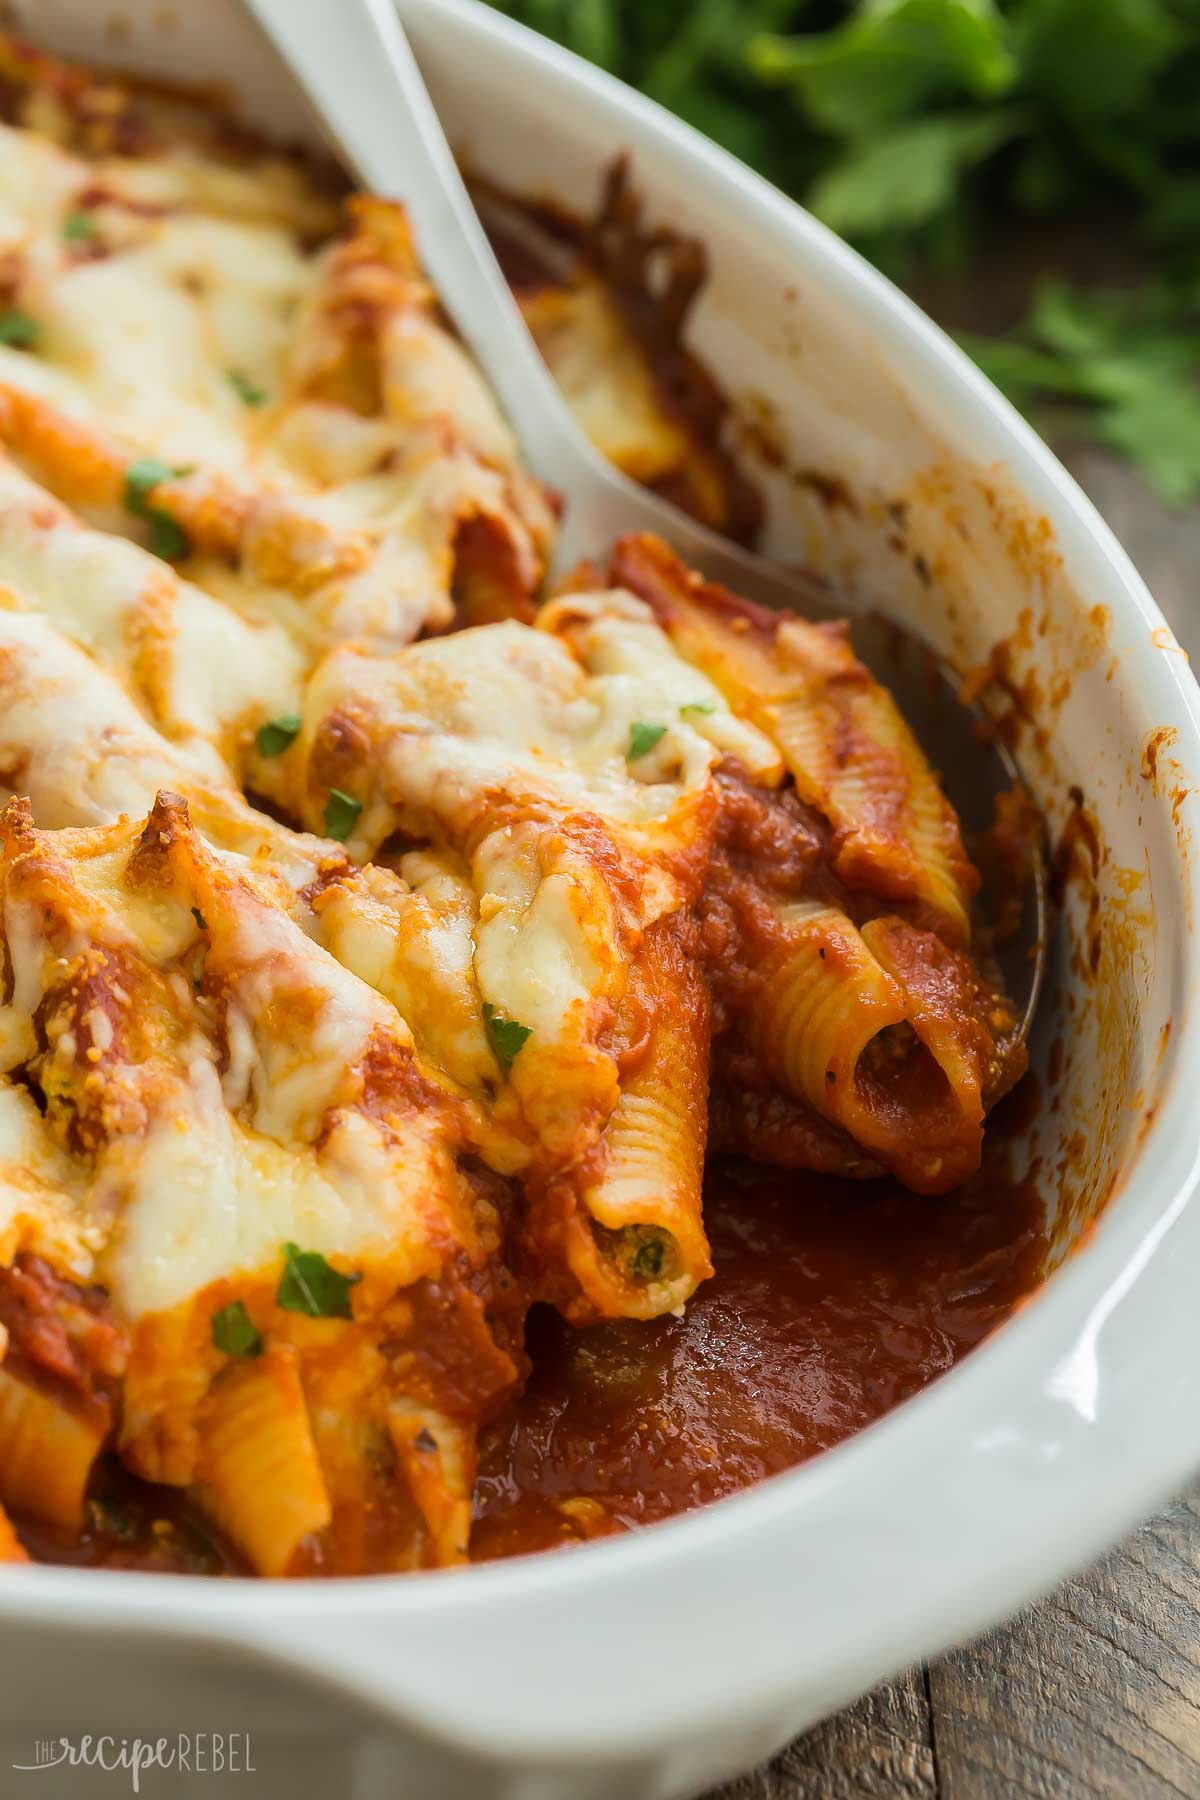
x,y
355,63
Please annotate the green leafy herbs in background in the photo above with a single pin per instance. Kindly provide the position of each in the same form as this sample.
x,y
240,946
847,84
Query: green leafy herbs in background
x,y
910,125
1128,362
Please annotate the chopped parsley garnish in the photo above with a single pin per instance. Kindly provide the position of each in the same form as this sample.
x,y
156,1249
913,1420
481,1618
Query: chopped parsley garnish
x,y
168,539
311,1285
274,737
234,1331
250,392
199,918
504,1036
341,811
642,739
699,706
141,478
18,329
78,228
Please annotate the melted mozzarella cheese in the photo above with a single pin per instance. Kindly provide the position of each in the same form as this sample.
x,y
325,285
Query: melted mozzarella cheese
x,y
105,762
38,185
41,1193
413,941
249,1122
111,762
506,709
290,1086
207,1198
197,329
428,378
618,642
198,669
512,748
143,341
276,977
149,338
540,946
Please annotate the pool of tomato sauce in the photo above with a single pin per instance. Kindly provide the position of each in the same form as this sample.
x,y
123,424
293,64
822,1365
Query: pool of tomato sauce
x,y
832,1301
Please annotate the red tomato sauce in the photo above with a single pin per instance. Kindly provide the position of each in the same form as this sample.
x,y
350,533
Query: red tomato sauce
x,y
832,1302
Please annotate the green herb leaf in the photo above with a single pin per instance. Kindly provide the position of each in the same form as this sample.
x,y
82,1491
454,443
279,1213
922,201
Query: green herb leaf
x,y
234,1331
642,739
904,176
1095,59
199,918
889,59
341,812
168,539
1121,367
505,1037
18,329
276,735
250,392
141,478
311,1285
698,706
78,228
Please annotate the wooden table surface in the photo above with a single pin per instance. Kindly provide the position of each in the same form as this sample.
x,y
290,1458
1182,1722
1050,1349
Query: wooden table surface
x,y
1096,1691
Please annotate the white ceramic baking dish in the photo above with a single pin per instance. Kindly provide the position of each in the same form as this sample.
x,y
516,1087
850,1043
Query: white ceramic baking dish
x,y
655,1665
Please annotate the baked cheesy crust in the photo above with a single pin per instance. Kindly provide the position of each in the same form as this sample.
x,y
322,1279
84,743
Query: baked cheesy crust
x,y
376,935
